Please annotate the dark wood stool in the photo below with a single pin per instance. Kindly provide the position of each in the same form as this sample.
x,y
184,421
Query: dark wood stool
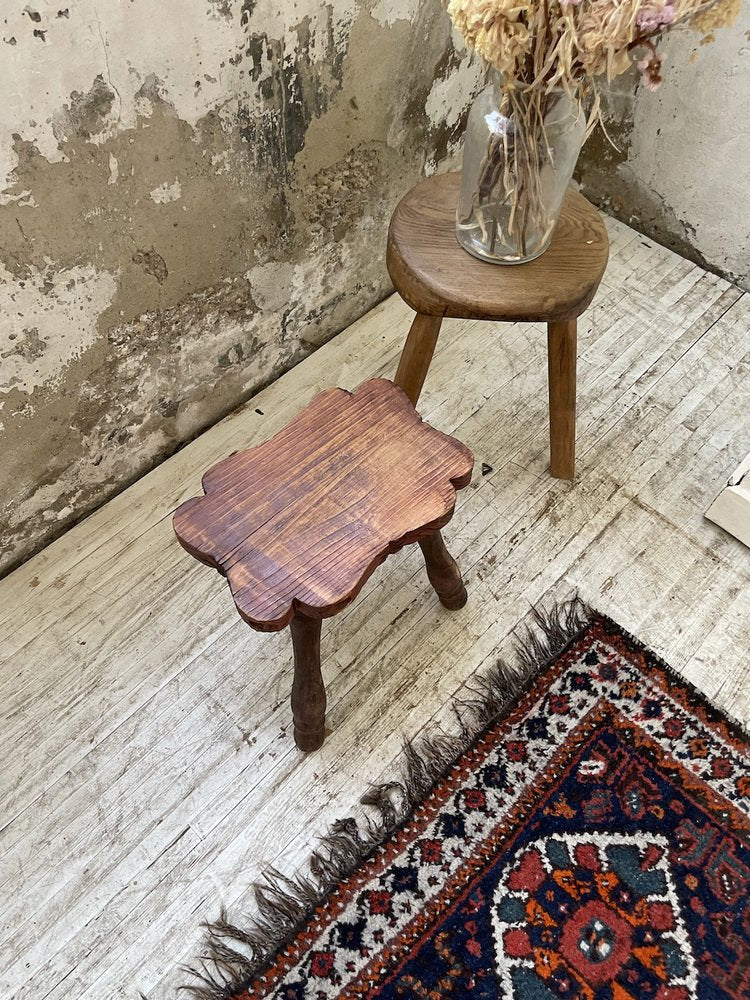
x,y
437,278
298,523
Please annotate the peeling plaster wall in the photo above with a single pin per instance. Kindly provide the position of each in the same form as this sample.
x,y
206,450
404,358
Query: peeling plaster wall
x,y
193,196
681,172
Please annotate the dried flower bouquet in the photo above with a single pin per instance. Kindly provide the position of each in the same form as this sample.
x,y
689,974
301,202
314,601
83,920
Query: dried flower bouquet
x,y
544,47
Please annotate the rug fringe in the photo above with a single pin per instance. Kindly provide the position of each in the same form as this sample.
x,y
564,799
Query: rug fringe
x,y
233,956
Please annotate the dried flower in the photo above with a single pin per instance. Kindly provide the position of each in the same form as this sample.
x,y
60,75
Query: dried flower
x,y
650,69
540,45
654,17
718,15
572,43
494,28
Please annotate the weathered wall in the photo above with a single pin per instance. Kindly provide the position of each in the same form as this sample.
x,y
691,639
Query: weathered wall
x,y
192,196
682,169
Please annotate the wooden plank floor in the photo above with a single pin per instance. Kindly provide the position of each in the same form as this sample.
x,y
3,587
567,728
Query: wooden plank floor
x,y
147,769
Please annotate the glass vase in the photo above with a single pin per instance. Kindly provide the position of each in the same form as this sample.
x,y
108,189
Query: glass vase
x,y
520,151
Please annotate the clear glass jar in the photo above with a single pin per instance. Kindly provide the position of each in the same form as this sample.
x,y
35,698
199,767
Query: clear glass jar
x,y
516,171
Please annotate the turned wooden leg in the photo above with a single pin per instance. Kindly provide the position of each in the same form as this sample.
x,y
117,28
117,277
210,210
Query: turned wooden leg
x,y
443,572
417,354
561,360
308,692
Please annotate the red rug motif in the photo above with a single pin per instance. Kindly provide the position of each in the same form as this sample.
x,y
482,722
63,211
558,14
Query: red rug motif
x,y
591,843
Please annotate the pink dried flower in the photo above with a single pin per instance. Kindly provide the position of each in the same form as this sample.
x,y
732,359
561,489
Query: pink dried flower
x,y
654,17
650,68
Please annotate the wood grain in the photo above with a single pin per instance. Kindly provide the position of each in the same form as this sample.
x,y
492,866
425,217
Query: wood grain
x,y
308,690
561,368
300,522
417,354
443,572
438,278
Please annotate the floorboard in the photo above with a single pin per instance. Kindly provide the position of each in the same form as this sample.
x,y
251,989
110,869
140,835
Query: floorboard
x,y
148,773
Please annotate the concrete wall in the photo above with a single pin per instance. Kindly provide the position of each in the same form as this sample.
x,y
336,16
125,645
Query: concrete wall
x,y
682,172
193,195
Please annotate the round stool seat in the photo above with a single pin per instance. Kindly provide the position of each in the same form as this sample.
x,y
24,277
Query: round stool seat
x,y
437,277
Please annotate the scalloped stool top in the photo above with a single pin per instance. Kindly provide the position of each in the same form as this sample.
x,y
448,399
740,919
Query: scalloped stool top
x,y
300,522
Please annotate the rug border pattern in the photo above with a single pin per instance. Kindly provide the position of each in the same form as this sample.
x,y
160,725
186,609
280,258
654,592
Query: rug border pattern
x,y
277,946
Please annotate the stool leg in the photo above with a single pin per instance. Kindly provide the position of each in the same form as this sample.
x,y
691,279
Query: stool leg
x,y
308,692
417,354
443,572
561,361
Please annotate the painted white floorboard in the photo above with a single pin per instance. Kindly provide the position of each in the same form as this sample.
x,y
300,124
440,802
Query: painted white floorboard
x,y
147,771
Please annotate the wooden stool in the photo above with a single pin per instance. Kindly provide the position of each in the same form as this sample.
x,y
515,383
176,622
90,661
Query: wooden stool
x,y
437,278
299,523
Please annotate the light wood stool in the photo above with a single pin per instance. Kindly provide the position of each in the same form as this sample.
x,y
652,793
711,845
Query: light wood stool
x,y
437,278
298,523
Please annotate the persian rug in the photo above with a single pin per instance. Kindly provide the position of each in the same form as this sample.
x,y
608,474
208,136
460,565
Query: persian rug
x,y
587,836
